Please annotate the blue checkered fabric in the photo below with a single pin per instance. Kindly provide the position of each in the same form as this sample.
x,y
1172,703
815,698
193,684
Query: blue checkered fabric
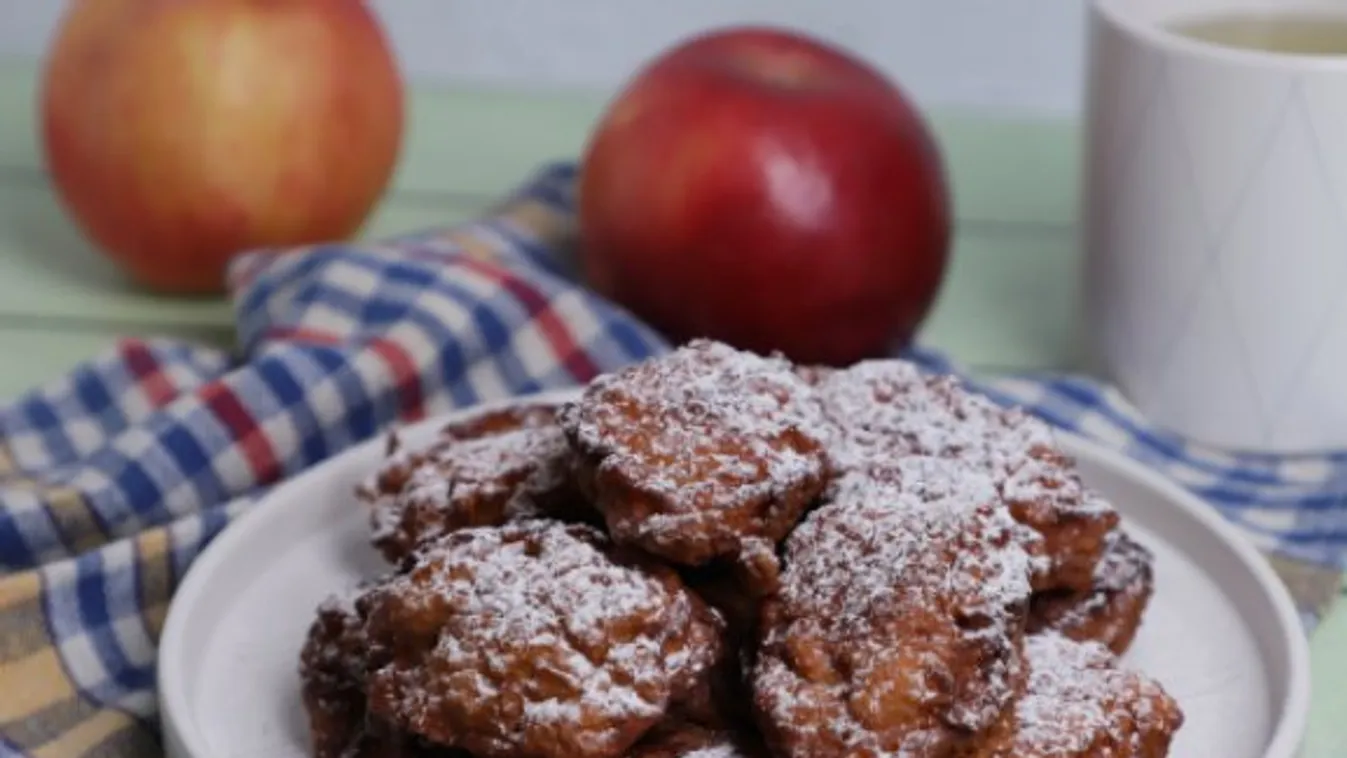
x,y
113,478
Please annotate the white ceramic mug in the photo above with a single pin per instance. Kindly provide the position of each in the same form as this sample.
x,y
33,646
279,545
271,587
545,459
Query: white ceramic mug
x,y
1216,228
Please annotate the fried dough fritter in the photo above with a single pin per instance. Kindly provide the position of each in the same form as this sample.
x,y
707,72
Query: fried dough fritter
x,y
333,664
715,554
1110,612
1046,493
498,466
883,410
704,453
1080,703
535,640
899,622
332,675
501,420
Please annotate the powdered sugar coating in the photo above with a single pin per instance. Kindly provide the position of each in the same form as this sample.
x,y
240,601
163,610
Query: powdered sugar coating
x,y
1111,611
883,410
534,639
872,409
504,465
898,624
694,453
870,661
1079,703
932,479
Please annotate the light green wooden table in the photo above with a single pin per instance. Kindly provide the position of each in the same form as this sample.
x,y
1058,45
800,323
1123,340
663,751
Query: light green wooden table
x,y
1010,302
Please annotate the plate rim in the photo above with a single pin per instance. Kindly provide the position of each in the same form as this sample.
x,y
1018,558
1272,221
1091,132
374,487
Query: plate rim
x,y
1287,738
183,739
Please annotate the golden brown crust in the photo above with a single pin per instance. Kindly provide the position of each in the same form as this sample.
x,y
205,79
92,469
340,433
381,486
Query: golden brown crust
x,y
898,626
1080,703
715,618
487,469
333,665
1111,611
700,454
884,410
535,639
1046,493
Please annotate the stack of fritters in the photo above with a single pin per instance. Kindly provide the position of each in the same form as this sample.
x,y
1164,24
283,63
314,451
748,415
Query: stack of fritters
x,y
718,554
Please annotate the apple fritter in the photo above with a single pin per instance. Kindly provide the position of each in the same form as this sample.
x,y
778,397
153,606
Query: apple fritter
x,y
898,627
704,453
1111,611
503,465
1080,703
883,410
535,639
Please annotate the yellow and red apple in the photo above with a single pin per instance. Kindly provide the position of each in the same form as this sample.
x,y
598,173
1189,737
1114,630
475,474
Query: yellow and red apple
x,y
179,133
765,188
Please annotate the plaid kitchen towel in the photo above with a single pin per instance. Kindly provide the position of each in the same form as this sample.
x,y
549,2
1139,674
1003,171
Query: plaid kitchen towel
x,y
113,478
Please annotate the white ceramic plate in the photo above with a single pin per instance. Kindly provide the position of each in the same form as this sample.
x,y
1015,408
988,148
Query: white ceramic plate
x,y
1221,633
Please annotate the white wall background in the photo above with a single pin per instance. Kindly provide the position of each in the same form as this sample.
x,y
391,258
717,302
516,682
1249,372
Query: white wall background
x,y
1022,55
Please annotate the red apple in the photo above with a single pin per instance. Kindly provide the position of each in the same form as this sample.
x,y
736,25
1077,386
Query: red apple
x,y
770,190
181,132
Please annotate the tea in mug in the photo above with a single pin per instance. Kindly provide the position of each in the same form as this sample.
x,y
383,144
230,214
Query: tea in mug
x,y
1303,33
